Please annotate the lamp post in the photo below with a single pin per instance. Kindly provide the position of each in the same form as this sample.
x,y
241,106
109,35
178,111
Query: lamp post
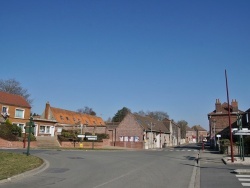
x,y
214,122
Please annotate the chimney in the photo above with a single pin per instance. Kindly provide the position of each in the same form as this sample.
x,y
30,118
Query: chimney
x,y
218,107
47,108
234,105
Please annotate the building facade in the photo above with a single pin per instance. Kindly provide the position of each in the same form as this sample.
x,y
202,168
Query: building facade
x,y
15,108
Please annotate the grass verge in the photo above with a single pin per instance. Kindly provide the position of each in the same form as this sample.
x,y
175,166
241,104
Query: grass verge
x,y
13,164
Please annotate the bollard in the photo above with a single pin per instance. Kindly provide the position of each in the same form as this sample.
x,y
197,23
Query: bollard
x,y
198,158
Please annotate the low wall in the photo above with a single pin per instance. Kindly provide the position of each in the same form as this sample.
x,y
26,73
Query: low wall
x,y
16,144
68,144
134,145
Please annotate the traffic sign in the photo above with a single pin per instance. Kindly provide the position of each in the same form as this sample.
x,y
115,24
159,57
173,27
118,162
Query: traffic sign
x,y
81,136
91,137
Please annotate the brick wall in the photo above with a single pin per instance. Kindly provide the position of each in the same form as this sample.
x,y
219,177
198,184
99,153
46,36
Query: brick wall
x,y
15,144
85,144
129,127
134,145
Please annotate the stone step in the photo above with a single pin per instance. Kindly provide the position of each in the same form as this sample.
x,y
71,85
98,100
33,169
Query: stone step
x,y
47,142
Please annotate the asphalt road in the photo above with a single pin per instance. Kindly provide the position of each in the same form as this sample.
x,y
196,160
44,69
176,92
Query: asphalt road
x,y
171,168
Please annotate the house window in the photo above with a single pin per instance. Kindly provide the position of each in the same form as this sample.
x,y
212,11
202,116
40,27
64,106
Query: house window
x,y
5,109
136,138
19,113
47,129
44,129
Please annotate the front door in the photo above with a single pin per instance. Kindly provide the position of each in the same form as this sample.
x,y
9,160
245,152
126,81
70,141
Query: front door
x,y
52,130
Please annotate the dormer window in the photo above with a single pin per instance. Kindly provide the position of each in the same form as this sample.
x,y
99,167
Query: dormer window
x,y
61,117
19,113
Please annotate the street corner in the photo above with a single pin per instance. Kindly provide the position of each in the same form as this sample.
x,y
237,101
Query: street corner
x,y
32,172
236,161
242,171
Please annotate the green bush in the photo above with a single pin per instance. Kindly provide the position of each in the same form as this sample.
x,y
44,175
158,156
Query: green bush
x,y
7,133
16,130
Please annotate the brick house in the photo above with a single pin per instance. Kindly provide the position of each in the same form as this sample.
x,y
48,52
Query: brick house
x,y
53,120
201,133
191,135
219,120
175,132
143,132
15,108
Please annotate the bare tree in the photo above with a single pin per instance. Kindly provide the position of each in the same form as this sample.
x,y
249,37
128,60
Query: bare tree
x,y
14,87
86,110
183,125
158,115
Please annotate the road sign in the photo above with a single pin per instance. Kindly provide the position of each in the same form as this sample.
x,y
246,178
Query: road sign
x,y
241,133
91,137
218,135
81,136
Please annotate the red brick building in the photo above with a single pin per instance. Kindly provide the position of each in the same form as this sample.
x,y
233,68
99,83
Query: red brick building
x,y
143,132
53,120
219,118
15,108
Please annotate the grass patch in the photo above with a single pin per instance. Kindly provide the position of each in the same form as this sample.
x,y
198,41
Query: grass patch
x,y
13,164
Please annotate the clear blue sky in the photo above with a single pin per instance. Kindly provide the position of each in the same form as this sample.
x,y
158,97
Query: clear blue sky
x,y
141,54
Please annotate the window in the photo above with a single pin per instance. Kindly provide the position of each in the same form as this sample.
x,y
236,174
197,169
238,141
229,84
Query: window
x,y
19,113
44,129
47,129
136,138
21,125
5,109
131,139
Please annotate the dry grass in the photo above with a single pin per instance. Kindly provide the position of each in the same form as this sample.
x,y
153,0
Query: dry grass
x,y
13,164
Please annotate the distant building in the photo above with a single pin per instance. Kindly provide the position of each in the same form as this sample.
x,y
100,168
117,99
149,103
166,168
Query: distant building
x,y
142,132
201,133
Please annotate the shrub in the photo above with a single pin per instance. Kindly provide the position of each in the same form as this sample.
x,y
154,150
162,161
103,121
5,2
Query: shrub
x,y
6,133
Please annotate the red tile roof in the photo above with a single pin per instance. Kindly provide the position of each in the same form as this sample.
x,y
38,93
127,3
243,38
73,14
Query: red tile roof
x,y
14,100
70,117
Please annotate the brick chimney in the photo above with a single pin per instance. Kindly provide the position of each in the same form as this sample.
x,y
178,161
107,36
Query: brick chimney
x,y
234,105
218,108
47,108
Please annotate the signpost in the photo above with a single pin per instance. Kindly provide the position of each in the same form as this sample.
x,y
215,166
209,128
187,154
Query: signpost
x,y
218,136
88,137
29,130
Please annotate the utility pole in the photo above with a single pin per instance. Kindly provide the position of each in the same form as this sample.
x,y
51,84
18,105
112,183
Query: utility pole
x,y
229,120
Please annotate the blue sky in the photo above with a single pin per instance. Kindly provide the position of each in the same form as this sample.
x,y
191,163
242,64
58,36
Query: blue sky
x,y
141,54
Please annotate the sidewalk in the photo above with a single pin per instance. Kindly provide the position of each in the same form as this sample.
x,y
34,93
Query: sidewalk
x,y
215,156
